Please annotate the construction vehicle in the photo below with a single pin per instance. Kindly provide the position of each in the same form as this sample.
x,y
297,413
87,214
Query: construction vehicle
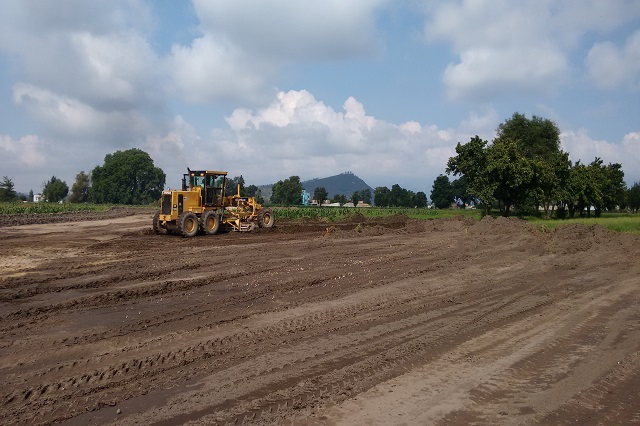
x,y
202,206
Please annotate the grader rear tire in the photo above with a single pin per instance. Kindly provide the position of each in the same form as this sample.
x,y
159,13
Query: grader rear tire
x,y
266,218
210,223
188,224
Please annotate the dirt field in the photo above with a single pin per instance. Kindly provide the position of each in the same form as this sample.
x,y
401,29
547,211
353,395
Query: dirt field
x,y
391,321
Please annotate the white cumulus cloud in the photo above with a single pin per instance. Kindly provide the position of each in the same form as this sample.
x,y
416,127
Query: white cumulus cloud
x,y
244,44
505,47
298,134
610,66
26,151
74,120
289,29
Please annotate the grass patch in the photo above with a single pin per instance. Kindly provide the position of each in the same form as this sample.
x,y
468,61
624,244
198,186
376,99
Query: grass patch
x,y
620,222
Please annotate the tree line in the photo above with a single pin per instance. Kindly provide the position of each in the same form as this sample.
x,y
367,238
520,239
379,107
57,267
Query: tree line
x,y
289,192
126,177
524,170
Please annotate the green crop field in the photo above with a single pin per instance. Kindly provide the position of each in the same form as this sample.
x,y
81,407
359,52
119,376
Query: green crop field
x,y
332,214
33,208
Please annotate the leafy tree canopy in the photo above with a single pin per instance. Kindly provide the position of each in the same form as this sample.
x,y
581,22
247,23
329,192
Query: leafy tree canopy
x,y
535,137
365,195
253,191
339,198
55,190
80,188
633,197
420,199
442,193
287,192
524,169
127,177
471,163
355,197
320,194
397,196
232,185
7,191
381,196
511,174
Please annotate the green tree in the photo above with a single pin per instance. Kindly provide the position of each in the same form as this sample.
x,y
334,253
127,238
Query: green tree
x,y
633,197
510,172
232,186
575,193
551,179
80,188
382,196
254,191
7,190
400,197
55,190
471,163
420,199
366,196
30,196
441,192
287,192
355,197
127,177
535,138
339,198
320,194
459,190
614,192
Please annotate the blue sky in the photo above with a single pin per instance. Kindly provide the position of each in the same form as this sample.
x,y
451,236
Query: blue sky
x,y
270,89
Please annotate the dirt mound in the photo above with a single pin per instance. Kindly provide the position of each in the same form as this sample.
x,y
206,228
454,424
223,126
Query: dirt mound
x,y
361,226
579,238
500,225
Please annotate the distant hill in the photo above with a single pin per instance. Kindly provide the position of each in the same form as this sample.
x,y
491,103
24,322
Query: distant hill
x,y
345,183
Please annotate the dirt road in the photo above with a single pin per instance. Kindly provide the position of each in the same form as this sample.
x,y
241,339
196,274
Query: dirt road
x,y
391,321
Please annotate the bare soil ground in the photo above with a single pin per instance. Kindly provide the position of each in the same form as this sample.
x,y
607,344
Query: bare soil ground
x,y
385,321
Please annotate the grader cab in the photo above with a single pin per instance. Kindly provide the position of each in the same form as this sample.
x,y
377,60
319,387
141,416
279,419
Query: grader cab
x,y
202,206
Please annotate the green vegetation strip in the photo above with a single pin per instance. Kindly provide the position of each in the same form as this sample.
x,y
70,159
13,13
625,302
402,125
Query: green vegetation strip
x,y
628,223
35,208
332,214
620,222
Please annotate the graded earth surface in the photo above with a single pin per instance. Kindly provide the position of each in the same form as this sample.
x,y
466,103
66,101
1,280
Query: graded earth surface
x,y
364,322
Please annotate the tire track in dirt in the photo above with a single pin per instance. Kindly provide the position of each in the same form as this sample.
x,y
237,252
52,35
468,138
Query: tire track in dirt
x,y
214,333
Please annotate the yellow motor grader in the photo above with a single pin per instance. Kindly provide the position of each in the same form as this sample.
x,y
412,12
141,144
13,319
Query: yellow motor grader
x,y
202,206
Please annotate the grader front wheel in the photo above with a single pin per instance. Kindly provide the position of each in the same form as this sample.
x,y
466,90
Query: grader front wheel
x,y
157,228
188,224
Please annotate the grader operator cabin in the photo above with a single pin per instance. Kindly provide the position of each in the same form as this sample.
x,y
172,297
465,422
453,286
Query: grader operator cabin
x,y
202,205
